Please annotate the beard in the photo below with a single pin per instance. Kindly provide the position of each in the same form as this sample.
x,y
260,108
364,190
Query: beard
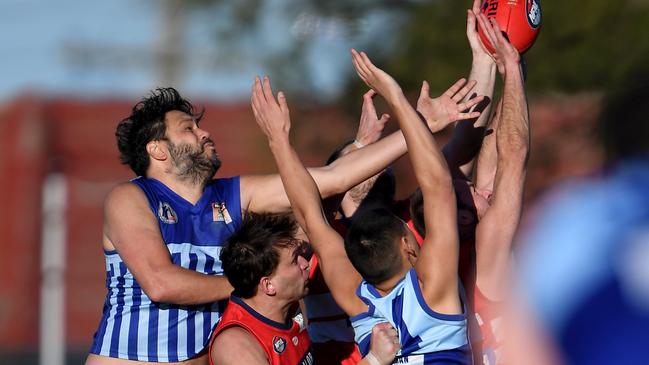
x,y
191,163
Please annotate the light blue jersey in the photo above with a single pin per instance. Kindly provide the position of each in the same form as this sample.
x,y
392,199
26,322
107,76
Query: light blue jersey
x,y
135,328
426,337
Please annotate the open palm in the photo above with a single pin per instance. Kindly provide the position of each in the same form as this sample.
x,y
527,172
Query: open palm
x,y
448,107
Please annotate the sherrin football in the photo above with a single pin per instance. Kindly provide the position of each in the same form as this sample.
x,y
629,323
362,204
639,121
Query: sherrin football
x,y
520,19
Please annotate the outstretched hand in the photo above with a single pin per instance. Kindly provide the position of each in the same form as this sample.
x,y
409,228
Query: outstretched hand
x,y
370,126
377,79
477,48
506,54
448,107
271,115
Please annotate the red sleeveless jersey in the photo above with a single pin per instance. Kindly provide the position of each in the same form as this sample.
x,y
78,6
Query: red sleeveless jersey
x,y
283,343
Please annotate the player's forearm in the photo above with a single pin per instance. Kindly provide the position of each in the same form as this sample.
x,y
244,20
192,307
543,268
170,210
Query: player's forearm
x,y
487,160
467,137
513,135
483,70
177,285
300,187
428,162
353,168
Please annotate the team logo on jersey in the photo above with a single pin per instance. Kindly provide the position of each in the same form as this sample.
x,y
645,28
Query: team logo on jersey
x,y
220,213
279,344
295,340
166,213
533,10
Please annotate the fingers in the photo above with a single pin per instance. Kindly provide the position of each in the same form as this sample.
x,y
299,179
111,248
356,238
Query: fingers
x,y
367,63
501,37
476,6
487,28
471,115
384,118
369,95
358,65
455,88
470,23
368,102
268,92
425,90
283,106
464,91
254,95
460,89
363,65
470,103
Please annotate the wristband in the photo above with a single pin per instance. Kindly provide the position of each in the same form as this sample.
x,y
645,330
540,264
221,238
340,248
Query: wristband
x,y
358,144
372,359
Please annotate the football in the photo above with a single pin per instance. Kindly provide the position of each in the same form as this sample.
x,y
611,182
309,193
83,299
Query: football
x,y
519,19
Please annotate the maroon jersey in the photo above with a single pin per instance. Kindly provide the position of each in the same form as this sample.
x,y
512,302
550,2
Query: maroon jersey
x,y
284,343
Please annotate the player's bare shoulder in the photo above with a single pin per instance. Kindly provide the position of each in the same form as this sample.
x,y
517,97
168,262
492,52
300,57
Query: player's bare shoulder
x,y
123,197
235,345
123,203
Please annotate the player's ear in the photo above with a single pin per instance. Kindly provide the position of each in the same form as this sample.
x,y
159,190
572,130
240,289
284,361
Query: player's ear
x,y
409,247
156,151
266,286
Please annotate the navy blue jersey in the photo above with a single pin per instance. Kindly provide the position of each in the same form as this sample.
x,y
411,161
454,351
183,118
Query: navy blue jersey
x,y
135,328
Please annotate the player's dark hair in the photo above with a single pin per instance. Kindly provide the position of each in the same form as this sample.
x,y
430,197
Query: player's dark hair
x,y
252,252
337,153
373,244
147,123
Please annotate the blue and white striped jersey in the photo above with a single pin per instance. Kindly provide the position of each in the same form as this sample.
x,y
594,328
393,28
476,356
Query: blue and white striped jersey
x,y
426,336
135,328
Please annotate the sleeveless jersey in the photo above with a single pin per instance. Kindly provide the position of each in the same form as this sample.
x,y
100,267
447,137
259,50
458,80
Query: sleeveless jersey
x,y
135,328
284,343
426,336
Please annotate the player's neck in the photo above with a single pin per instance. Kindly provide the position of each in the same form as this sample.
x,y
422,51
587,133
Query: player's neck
x,y
187,189
385,287
269,307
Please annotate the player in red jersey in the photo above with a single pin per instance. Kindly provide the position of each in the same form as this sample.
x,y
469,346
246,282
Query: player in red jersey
x,y
268,269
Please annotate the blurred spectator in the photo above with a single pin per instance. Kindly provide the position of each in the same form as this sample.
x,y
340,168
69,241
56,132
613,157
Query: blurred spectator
x,y
584,258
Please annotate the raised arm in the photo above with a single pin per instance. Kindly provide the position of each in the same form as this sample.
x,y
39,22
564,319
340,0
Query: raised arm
x,y
467,136
438,260
266,192
370,126
495,232
143,250
274,120
370,129
487,161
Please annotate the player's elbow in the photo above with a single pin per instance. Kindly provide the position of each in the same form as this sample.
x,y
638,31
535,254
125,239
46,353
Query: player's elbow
x,y
329,180
156,292
157,289
440,182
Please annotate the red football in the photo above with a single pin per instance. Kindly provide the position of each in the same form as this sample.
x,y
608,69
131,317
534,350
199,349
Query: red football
x,y
520,19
